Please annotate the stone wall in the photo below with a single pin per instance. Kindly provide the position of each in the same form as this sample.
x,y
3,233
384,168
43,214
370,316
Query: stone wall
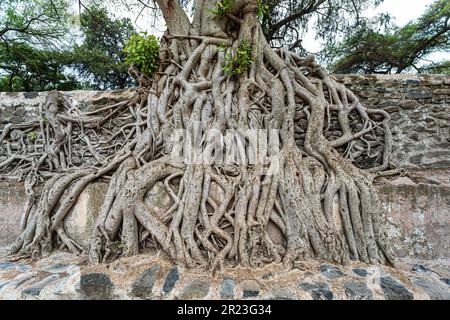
x,y
420,114
417,204
418,105
19,107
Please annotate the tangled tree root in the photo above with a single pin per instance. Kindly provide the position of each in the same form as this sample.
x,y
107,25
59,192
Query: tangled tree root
x,y
316,190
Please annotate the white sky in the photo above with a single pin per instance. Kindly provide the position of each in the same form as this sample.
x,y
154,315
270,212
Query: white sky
x,y
402,10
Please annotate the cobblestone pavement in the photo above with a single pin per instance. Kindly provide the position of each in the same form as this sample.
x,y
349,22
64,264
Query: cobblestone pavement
x,y
65,276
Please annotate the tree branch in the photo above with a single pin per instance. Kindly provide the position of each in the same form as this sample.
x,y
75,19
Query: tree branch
x,y
313,6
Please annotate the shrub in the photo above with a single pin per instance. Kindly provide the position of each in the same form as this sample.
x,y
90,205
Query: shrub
x,y
143,52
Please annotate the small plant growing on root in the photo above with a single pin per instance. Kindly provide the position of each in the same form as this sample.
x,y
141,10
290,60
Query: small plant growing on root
x,y
32,136
222,7
263,9
142,52
240,61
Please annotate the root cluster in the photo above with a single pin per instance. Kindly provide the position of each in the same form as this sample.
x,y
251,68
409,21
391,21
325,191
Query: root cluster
x,y
315,191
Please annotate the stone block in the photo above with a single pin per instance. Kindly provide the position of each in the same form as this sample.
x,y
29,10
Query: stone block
x,y
12,205
81,219
418,220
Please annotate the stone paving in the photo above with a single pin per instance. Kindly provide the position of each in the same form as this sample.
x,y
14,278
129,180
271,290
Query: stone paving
x,y
65,276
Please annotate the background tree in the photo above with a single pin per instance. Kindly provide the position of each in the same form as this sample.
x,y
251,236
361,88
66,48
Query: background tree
x,y
39,22
31,57
380,47
26,68
100,59
36,53
287,21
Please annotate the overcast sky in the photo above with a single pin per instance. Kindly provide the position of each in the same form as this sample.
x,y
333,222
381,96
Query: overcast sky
x,y
403,11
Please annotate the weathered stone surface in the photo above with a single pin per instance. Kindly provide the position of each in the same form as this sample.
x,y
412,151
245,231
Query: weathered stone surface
x,y
419,268
68,286
413,81
59,287
419,95
17,120
158,199
227,288
171,279
197,289
6,265
436,290
250,288
36,289
23,267
57,268
2,284
393,289
317,290
331,271
30,95
417,212
439,164
358,291
81,218
12,203
143,285
20,111
16,135
24,279
250,293
96,286
283,294
79,283
360,272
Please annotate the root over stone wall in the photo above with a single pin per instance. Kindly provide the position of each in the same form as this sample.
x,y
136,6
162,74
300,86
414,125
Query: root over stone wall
x,y
417,203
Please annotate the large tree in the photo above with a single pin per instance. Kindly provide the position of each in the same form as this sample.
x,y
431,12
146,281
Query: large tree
x,y
301,154
370,49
